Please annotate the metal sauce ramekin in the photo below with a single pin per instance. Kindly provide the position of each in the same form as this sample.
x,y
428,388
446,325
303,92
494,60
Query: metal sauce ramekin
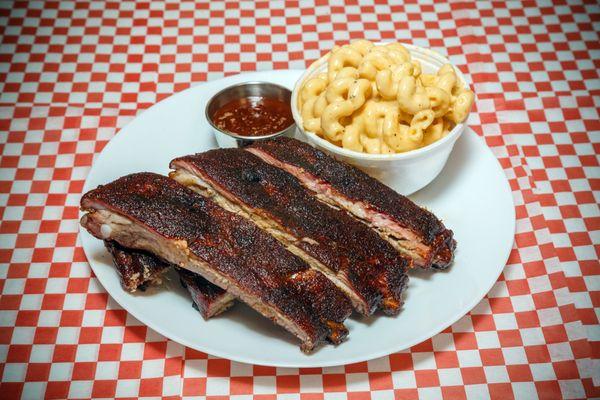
x,y
243,90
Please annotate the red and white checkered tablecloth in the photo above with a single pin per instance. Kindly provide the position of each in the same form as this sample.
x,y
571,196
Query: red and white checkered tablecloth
x,y
72,73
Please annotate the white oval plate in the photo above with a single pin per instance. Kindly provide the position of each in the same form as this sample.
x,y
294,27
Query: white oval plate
x,y
471,196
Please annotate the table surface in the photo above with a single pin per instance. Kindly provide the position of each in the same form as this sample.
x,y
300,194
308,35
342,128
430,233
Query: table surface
x,y
73,73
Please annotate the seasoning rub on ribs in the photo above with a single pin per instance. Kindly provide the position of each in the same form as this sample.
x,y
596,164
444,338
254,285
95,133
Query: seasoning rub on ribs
x,y
151,212
409,228
367,268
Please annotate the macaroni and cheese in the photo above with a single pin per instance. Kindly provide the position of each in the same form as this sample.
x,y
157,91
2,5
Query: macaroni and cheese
x,y
375,99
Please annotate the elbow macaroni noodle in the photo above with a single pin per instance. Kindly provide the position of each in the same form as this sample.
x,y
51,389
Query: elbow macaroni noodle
x,y
374,99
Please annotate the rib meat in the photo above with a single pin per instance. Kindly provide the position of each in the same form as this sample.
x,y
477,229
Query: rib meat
x,y
354,257
151,212
140,269
136,269
409,228
210,300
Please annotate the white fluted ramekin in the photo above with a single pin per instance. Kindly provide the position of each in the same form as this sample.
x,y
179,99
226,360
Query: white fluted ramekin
x,y
405,172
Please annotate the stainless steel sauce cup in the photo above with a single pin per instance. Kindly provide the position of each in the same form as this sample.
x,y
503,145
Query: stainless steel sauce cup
x,y
243,90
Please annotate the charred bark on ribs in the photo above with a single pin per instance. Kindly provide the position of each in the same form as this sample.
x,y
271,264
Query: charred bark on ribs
x,y
354,257
411,229
151,212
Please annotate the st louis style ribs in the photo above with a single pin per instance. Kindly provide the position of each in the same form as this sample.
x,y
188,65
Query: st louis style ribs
x,y
297,235
367,268
411,229
150,212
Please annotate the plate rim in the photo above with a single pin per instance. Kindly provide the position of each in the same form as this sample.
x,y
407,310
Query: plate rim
x,y
120,298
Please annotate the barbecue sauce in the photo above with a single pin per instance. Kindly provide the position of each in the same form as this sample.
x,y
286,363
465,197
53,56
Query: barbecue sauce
x,y
254,116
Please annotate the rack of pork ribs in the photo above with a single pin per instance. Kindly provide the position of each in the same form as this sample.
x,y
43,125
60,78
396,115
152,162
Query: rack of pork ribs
x,y
301,238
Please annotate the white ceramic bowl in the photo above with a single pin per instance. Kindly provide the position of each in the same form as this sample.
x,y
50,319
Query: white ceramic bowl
x,y
404,172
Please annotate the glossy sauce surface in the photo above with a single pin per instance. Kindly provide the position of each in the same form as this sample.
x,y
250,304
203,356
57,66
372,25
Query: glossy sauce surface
x,y
254,116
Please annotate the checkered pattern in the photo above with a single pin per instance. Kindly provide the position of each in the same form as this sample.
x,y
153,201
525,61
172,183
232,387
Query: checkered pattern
x,y
73,73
